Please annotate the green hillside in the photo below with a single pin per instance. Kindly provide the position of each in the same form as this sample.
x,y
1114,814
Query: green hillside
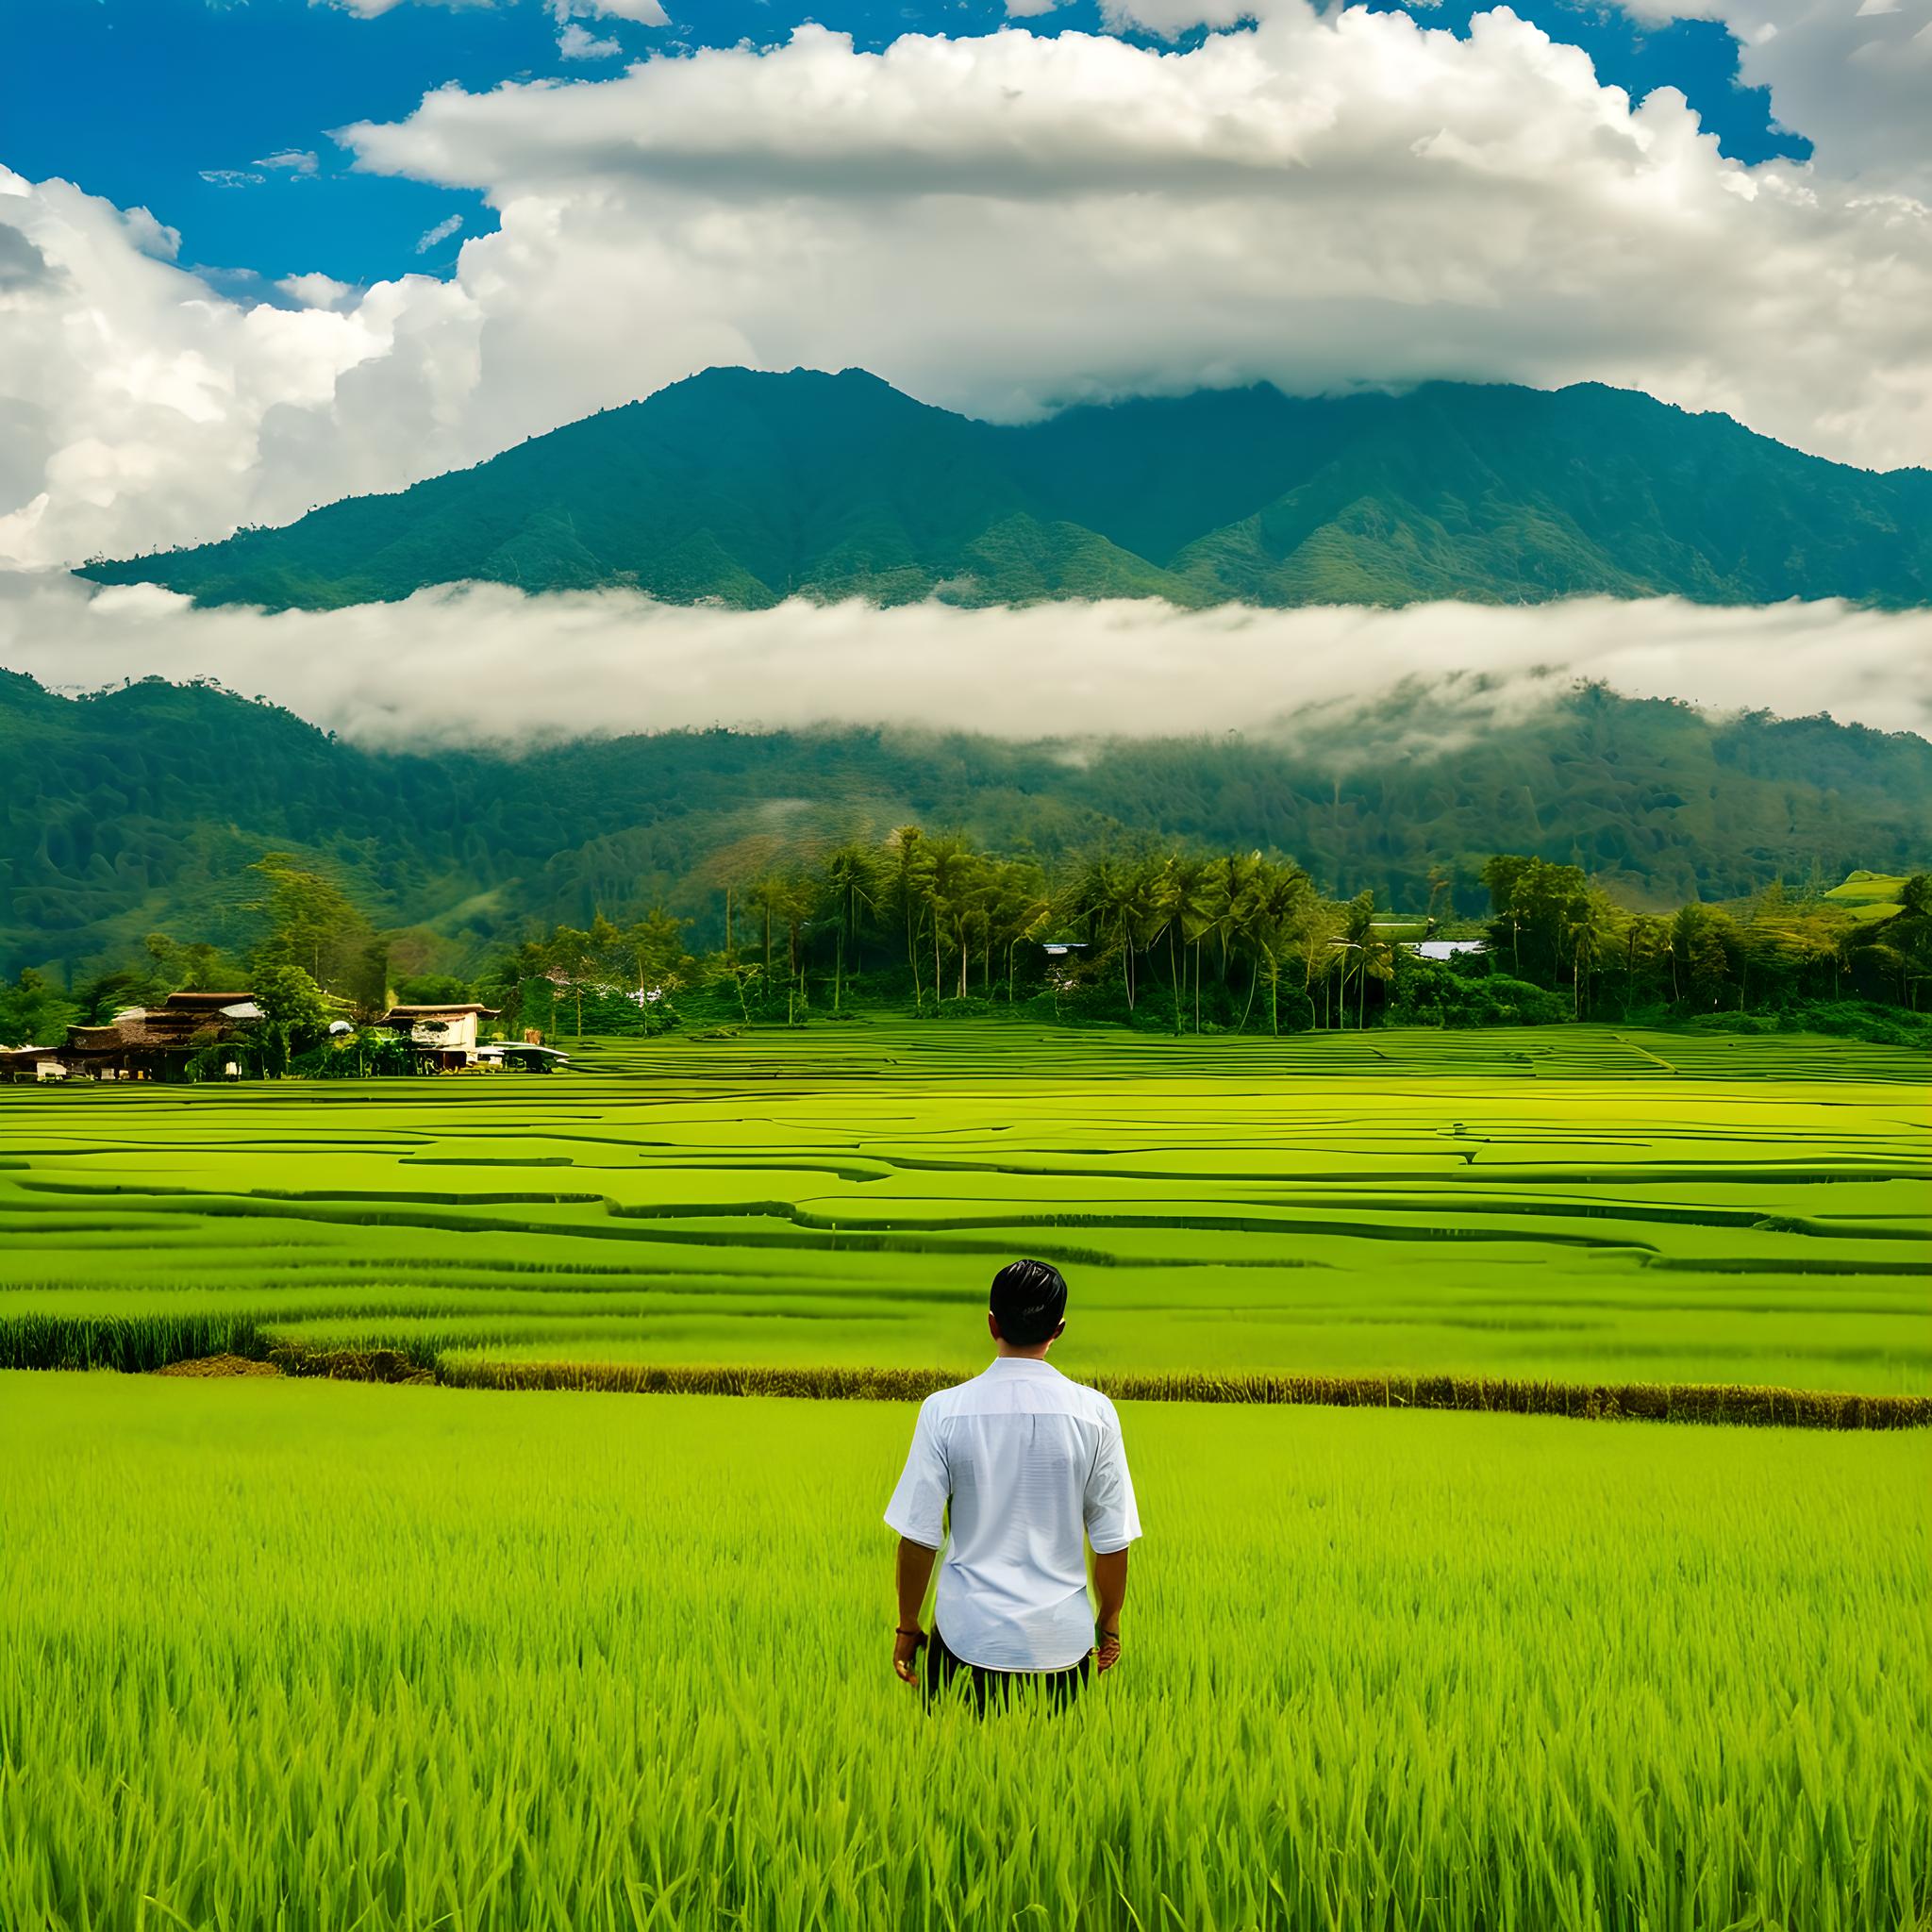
x,y
139,810
746,488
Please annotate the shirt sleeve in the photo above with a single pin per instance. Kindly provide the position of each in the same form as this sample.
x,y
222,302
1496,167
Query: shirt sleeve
x,y
918,1509
1112,1521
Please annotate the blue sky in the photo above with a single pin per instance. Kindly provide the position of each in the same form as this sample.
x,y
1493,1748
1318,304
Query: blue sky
x,y
176,104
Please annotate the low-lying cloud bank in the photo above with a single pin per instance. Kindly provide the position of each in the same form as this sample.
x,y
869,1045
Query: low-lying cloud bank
x,y
484,664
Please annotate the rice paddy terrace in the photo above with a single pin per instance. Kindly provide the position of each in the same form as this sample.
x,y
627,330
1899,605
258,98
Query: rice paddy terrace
x,y
1578,1204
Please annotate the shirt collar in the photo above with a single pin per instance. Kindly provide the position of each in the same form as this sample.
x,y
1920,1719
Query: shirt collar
x,y
1020,1365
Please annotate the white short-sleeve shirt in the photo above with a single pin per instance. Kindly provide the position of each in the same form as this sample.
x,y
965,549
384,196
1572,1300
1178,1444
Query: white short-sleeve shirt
x,y
1033,1468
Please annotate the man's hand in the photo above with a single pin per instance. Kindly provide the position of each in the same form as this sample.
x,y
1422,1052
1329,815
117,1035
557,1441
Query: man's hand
x,y
906,1644
1110,1592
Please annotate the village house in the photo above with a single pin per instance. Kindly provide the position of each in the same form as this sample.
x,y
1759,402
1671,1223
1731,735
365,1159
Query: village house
x,y
443,1037
142,1042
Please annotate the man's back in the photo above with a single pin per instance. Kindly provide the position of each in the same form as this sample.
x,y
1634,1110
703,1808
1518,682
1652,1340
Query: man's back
x,y
1033,1468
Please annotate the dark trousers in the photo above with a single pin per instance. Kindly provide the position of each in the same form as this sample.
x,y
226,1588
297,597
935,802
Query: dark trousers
x,y
997,1688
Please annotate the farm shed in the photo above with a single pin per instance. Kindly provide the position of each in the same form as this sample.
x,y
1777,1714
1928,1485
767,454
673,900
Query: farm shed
x,y
442,1036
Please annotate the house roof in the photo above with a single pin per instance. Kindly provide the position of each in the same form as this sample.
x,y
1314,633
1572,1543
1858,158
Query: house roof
x,y
1447,949
185,1021
441,1012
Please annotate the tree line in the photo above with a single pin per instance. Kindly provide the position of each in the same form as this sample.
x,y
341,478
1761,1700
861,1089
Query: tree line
x,y
1155,937
1191,941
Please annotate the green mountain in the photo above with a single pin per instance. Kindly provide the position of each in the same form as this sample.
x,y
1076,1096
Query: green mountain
x,y
746,488
140,809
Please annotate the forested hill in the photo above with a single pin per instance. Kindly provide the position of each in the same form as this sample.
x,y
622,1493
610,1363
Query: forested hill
x,y
139,810
745,488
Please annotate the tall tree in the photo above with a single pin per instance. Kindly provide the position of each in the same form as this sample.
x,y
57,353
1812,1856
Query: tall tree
x,y
911,870
852,888
573,958
1358,936
654,950
294,1014
309,922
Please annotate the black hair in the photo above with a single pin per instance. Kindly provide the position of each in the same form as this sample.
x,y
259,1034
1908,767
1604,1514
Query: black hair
x,y
1028,1300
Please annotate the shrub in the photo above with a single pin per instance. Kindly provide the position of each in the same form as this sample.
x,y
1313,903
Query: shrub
x,y
1429,992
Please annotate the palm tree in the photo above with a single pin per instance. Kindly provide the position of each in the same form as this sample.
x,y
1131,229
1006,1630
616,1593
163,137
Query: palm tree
x,y
1317,925
909,874
1167,902
1138,908
1277,900
1591,922
1358,934
953,881
1094,897
1195,909
782,899
767,897
852,883
1240,913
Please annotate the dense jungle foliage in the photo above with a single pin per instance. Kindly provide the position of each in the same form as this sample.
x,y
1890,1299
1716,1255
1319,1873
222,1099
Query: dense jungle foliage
x,y
1172,939
140,810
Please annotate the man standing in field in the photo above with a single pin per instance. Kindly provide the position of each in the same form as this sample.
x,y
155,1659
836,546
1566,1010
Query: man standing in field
x,y
1032,1468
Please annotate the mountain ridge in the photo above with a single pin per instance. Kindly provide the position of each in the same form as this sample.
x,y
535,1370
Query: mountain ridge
x,y
744,487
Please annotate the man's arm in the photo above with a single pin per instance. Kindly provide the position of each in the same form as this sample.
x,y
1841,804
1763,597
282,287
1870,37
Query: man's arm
x,y
913,1571
918,1512
1112,1524
1110,1592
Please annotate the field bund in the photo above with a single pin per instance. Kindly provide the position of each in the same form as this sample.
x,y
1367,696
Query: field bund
x,y
1580,1206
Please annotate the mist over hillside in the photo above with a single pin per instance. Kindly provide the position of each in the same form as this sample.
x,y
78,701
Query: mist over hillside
x,y
138,810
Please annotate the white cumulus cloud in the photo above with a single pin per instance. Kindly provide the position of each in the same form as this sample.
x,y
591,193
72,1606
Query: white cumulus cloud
x,y
316,290
1855,80
1001,225
575,43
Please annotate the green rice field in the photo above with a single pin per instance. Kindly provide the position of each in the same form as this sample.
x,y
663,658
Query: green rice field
x,y
318,1656
327,1657
1578,1204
